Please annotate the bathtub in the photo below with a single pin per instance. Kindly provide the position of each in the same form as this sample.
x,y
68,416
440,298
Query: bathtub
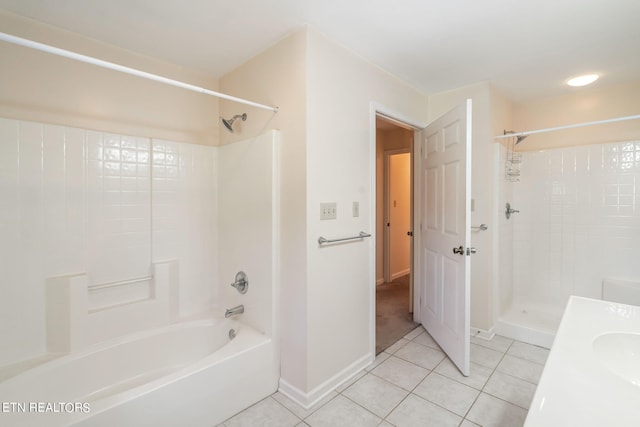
x,y
189,373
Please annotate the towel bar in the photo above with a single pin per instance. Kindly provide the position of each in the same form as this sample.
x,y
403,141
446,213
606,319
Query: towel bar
x,y
361,235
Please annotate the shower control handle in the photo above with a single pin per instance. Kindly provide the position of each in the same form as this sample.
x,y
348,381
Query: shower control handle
x,y
241,282
459,250
508,211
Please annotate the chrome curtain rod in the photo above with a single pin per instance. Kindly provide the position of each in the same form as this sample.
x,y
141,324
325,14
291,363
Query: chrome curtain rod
x,y
127,70
577,125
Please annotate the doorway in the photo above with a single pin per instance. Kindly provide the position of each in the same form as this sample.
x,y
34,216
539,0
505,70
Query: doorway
x,y
441,172
394,260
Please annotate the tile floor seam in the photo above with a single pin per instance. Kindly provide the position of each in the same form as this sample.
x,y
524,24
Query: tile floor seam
x,y
376,415
487,381
285,407
409,361
383,379
491,375
439,406
435,403
526,360
506,401
479,393
410,391
513,376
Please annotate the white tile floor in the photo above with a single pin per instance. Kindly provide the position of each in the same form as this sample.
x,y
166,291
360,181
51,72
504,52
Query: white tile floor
x,y
413,383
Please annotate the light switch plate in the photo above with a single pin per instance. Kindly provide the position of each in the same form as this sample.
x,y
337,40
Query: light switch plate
x,y
328,211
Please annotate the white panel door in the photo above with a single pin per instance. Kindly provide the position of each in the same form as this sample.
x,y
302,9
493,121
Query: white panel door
x,y
444,214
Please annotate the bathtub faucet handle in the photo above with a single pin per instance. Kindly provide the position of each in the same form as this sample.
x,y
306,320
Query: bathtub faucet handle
x,y
241,282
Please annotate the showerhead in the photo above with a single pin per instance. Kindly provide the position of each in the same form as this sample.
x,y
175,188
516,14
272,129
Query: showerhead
x,y
229,123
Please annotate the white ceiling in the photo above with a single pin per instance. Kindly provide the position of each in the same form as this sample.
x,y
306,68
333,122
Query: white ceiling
x,y
527,48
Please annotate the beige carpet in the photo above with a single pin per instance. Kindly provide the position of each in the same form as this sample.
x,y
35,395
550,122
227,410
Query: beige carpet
x,y
393,318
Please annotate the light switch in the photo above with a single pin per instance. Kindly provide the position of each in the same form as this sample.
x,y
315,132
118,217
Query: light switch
x,y
328,211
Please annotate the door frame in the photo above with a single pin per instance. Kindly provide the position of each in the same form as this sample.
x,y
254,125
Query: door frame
x,y
406,121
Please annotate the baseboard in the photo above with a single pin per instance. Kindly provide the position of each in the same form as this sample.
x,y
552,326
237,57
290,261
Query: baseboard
x,y
307,400
293,393
482,334
399,274
380,281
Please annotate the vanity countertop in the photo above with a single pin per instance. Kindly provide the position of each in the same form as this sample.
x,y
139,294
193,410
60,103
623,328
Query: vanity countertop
x,y
592,374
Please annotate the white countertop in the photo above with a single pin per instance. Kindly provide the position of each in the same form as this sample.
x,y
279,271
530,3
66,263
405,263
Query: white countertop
x,y
578,386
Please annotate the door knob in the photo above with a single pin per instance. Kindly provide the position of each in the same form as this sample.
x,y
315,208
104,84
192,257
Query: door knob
x,y
459,250
471,251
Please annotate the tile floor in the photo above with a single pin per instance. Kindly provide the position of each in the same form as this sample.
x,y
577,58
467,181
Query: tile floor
x,y
413,383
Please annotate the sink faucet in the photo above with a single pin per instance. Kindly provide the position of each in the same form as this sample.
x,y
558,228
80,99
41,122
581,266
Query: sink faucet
x,y
235,310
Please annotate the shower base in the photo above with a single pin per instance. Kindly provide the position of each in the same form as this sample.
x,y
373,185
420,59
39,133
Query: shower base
x,y
532,323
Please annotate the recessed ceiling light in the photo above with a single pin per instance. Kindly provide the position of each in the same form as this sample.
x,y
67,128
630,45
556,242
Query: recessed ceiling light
x,y
583,80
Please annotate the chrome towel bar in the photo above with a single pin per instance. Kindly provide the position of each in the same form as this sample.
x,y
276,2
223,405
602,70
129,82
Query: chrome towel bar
x,y
361,235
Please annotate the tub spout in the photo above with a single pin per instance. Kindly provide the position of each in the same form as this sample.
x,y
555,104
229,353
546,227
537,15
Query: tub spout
x,y
235,310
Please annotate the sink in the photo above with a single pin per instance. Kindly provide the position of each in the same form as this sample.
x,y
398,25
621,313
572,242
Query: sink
x,y
592,374
619,352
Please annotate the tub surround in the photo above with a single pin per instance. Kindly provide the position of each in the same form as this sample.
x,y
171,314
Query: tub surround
x,y
591,377
90,313
72,324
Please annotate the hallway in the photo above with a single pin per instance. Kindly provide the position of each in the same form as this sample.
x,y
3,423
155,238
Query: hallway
x,y
393,317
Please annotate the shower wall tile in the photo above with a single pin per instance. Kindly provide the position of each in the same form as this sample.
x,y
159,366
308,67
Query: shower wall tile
x,y
20,318
579,220
183,205
119,221
75,200
64,202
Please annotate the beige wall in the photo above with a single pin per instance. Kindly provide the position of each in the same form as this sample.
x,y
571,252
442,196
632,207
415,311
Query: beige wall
x,y
278,77
341,168
325,94
46,88
584,105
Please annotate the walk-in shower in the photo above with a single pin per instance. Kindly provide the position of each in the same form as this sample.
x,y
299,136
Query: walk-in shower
x,y
577,231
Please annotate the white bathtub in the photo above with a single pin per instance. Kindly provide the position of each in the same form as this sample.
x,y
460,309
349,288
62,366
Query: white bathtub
x,y
184,374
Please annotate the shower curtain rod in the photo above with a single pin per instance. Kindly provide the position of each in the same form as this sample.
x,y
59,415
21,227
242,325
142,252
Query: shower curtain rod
x,y
577,125
127,70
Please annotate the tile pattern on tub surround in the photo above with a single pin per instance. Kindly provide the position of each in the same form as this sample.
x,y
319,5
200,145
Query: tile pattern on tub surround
x,y
77,201
397,390
118,189
579,220
183,214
